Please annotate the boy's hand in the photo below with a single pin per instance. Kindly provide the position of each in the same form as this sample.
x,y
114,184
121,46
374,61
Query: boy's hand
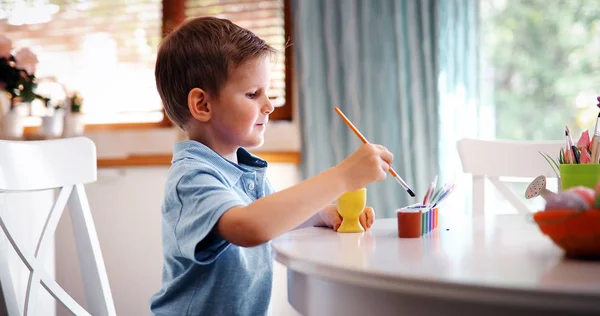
x,y
368,164
331,218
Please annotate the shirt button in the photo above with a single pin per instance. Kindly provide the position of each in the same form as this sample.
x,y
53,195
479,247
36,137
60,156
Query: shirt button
x,y
251,186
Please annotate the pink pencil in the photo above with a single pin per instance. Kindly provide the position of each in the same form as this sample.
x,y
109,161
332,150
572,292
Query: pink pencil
x,y
430,191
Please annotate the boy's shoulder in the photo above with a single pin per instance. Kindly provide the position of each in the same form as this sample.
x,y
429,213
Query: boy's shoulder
x,y
192,159
195,155
192,167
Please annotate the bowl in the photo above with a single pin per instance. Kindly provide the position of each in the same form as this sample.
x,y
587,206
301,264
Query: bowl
x,y
576,232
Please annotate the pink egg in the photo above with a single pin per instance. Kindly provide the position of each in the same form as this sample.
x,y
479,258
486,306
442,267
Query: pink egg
x,y
588,194
567,200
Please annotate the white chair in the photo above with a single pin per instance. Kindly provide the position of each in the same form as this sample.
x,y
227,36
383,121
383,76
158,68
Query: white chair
x,y
493,159
66,165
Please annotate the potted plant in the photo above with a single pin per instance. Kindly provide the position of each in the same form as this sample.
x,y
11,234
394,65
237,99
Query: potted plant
x,y
10,121
53,122
580,171
17,86
74,123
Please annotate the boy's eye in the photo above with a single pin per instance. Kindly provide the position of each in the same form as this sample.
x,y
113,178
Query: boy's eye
x,y
251,95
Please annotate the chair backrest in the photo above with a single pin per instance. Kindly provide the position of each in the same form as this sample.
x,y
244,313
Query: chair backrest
x,y
46,164
507,158
64,164
493,159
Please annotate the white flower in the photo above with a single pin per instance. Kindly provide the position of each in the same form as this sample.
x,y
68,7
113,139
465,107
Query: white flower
x,y
26,60
5,46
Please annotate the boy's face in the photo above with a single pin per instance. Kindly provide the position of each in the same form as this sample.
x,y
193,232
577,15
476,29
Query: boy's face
x,y
241,111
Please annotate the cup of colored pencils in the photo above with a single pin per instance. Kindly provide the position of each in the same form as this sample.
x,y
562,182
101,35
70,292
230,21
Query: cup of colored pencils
x,y
579,163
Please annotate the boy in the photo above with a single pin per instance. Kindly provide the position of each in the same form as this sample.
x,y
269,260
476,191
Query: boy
x,y
219,210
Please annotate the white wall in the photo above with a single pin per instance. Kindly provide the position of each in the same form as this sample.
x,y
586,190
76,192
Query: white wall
x,y
125,203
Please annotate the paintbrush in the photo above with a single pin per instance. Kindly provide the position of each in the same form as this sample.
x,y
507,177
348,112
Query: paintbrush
x,y
595,143
365,141
571,144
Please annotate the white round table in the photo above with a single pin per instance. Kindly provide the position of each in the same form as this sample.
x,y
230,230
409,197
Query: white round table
x,y
505,266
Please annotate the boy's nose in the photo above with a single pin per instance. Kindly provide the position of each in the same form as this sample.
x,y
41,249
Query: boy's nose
x,y
268,107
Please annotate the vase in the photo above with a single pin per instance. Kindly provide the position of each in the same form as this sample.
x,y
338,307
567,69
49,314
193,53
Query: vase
x,y
52,126
12,126
74,125
573,175
4,103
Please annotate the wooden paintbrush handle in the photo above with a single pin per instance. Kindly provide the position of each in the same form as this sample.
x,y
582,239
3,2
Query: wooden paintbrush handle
x,y
595,148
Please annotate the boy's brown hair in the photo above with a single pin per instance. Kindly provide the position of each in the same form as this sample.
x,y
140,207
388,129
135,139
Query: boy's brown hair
x,y
201,53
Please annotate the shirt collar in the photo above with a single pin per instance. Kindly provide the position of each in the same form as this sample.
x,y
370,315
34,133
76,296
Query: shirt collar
x,y
247,162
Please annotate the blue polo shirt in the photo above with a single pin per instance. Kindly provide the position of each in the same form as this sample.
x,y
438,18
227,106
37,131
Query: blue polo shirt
x,y
203,274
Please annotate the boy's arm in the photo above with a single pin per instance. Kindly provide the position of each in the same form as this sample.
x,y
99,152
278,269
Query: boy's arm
x,y
316,220
275,214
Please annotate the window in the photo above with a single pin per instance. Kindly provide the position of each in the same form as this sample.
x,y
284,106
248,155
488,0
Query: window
x,y
266,18
106,50
540,71
540,66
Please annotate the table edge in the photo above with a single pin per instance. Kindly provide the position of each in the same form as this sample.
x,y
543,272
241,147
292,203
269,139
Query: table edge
x,y
440,289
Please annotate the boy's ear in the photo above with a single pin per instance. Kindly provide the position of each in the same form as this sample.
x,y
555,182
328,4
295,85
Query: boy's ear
x,y
198,104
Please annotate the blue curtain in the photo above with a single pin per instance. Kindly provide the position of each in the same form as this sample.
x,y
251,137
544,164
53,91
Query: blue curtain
x,y
460,112
377,61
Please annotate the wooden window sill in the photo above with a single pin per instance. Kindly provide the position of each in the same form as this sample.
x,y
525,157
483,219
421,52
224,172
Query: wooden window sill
x,y
165,159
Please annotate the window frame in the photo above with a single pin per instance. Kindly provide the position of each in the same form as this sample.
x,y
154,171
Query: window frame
x,y
173,14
